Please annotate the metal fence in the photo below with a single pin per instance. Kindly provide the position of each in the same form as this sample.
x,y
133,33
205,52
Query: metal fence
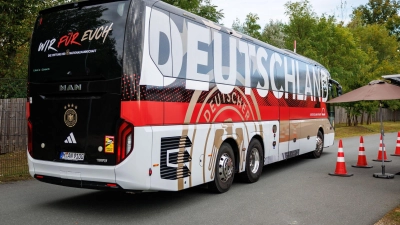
x,y
13,135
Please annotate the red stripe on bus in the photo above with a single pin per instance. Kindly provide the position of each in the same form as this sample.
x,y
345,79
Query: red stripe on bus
x,y
144,113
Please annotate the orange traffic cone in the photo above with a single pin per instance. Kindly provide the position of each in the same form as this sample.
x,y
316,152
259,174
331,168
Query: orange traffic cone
x,y
362,159
340,164
382,148
397,151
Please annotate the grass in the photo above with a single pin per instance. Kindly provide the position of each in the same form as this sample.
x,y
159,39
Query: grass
x,y
13,166
343,131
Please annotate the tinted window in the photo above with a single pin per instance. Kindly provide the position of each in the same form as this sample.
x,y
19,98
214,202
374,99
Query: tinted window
x,y
79,43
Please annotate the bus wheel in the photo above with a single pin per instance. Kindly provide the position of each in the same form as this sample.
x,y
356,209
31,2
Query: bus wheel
x,y
254,162
319,147
224,169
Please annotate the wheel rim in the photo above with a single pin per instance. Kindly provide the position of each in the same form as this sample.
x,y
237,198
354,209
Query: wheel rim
x,y
225,168
319,146
254,160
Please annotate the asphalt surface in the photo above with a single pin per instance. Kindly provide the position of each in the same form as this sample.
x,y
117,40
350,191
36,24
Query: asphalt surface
x,y
296,191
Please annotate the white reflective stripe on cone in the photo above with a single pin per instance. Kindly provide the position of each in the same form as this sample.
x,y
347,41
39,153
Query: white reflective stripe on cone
x,y
340,159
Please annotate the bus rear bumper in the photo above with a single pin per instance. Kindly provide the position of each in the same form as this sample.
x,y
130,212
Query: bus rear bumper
x,y
89,176
68,174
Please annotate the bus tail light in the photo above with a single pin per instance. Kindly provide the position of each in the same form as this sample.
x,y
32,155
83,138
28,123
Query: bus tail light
x,y
125,141
30,143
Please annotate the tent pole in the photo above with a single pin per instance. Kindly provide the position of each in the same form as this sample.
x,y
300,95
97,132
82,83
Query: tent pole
x,y
382,175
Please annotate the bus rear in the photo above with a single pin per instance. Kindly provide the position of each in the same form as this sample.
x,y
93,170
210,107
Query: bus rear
x,y
74,94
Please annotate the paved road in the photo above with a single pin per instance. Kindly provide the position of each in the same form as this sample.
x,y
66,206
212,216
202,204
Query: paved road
x,y
297,191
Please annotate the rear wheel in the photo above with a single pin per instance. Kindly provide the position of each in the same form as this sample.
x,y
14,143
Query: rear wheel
x,y
319,146
254,162
224,169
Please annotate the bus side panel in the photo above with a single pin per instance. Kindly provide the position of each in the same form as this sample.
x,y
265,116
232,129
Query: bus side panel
x,y
184,156
329,134
171,157
294,143
133,172
309,131
269,132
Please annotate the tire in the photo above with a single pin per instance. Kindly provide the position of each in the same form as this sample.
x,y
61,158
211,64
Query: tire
x,y
319,147
224,169
254,162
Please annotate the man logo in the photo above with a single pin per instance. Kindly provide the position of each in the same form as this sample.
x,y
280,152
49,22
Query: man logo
x,y
70,115
75,87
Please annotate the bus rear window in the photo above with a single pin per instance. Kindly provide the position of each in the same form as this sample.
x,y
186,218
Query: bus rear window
x,y
79,43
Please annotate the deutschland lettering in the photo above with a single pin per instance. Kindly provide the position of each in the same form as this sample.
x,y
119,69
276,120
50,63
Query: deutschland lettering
x,y
181,48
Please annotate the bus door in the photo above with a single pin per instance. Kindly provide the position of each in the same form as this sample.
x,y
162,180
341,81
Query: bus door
x,y
290,131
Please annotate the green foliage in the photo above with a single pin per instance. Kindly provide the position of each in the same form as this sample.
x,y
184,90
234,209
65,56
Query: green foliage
x,y
328,43
301,26
354,55
383,12
203,8
273,34
18,17
238,26
249,27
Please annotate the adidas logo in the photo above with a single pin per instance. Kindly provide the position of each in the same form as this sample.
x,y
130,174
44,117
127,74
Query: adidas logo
x,y
70,139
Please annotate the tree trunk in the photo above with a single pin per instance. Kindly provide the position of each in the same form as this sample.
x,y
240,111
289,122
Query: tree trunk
x,y
355,122
369,119
362,118
348,119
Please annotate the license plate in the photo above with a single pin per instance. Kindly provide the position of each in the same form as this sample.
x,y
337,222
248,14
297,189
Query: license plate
x,y
73,156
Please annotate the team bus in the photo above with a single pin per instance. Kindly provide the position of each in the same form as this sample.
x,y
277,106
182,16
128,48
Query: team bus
x,y
138,95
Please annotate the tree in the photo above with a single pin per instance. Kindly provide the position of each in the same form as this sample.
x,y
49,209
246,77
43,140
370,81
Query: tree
x,y
380,46
18,17
202,8
273,34
249,27
335,47
326,42
377,37
393,105
369,107
384,12
301,26
238,26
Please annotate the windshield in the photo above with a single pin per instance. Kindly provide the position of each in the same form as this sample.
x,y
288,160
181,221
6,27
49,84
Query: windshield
x,y
81,43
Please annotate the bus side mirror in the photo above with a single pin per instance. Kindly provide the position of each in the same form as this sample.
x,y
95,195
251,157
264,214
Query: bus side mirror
x,y
339,91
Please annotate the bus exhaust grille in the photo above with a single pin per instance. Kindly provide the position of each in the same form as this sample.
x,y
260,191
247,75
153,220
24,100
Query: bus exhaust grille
x,y
173,156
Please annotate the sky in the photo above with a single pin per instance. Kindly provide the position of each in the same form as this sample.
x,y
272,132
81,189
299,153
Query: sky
x,y
275,10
